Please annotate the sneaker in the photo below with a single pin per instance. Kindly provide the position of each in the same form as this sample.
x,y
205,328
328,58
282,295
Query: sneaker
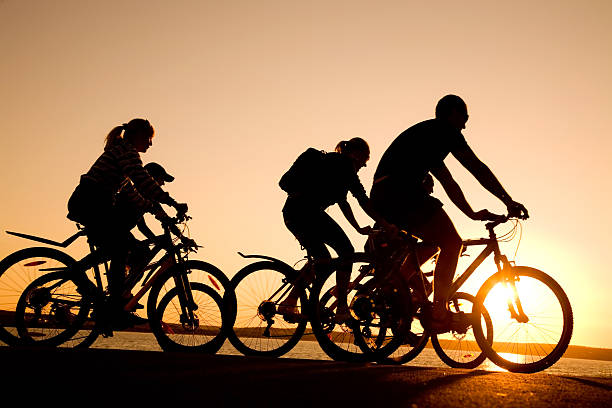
x,y
137,306
460,322
290,313
343,315
87,288
125,320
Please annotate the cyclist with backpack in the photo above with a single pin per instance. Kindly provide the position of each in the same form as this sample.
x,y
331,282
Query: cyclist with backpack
x,y
315,181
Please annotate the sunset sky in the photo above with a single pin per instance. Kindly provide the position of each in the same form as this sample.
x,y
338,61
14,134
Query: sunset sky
x,y
237,89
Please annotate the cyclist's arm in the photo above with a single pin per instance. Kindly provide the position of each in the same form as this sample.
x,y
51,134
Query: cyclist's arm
x,y
364,202
486,178
144,228
452,189
346,209
482,173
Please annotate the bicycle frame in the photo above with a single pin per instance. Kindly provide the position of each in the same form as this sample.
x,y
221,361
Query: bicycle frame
x,y
503,266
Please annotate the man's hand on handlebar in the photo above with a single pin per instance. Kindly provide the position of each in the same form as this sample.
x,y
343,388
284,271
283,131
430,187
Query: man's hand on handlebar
x,y
181,209
188,242
517,210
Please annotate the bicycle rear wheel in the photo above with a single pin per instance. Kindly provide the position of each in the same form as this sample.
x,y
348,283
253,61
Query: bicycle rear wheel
x,y
460,350
257,327
363,337
531,342
17,271
50,311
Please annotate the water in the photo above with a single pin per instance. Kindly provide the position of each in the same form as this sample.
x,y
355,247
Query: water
x,y
311,350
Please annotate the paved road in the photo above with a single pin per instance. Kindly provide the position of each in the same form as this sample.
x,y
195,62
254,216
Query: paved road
x,y
124,378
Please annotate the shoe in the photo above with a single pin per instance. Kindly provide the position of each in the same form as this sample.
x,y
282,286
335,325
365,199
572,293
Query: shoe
x,y
125,320
86,288
453,321
404,330
137,306
436,323
460,322
290,313
343,315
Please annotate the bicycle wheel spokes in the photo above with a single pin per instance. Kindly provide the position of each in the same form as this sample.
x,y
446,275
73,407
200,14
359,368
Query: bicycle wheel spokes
x,y
197,327
350,341
50,311
259,328
413,347
537,341
17,271
460,350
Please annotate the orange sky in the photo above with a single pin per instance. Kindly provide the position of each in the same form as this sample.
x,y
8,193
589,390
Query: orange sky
x,y
237,89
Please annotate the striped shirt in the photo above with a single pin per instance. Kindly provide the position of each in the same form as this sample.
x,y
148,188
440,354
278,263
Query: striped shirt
x,y
121,164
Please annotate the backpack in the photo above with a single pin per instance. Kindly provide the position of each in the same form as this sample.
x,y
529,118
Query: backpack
x,y
305,172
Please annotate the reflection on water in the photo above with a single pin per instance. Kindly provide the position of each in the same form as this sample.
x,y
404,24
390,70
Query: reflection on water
x,y
311,350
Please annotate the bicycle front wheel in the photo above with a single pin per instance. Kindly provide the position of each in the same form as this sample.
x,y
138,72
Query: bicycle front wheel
x,y
187,316
176,331
258,327
460,350
50,311
532,325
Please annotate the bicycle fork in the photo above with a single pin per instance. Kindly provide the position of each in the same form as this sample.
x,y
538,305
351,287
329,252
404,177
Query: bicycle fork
x,y
188,306
515,306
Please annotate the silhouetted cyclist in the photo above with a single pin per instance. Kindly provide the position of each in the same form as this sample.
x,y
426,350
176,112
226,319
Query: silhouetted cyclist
x,y
93,201
314,182
400,195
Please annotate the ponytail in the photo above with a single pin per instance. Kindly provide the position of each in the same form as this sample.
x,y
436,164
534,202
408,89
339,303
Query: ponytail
x,y
135,128
113,136
342,147
353,145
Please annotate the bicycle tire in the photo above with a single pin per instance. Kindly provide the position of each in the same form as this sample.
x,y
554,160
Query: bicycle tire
x,y
256,329
174,336
549,312
461,350
395,352
164,289
17,271
343,341
45,316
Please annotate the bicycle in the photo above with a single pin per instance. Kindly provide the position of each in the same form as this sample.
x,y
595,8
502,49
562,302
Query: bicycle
x,y
183,314
510,302
257,326
401,290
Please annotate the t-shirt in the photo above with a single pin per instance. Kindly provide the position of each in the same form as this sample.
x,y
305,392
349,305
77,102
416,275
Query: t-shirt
x,y
415,152
332,182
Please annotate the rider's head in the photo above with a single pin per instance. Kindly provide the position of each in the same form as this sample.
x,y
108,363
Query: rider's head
x,y
138,132
158,173
357,149
452,109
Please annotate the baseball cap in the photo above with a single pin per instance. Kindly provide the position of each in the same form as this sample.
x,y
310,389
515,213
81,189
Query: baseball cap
x,y
157,171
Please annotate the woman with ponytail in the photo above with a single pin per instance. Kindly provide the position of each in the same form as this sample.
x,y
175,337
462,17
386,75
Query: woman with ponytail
x,y
314,182
93,201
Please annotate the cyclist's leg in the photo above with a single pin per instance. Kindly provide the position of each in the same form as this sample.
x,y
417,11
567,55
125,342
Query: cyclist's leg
x,y
306,225
335,237
439,229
